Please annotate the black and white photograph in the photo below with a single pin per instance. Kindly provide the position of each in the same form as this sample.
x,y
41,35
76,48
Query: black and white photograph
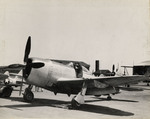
x,y
74,59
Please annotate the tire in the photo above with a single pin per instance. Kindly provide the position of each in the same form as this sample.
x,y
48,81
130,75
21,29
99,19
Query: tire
x,y
6,92
109,98
147,84
28,96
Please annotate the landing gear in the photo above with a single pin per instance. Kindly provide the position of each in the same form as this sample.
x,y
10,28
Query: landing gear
x,y
28,96
127,85
74,103
6,92
79,99
109,97
147,84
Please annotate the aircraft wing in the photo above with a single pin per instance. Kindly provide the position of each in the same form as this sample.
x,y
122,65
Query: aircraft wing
x,y
120,80
110,80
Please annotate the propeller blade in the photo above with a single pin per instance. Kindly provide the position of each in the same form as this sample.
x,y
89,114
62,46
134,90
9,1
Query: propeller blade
x,y
117,67
37,65
27,49
113,68
21,84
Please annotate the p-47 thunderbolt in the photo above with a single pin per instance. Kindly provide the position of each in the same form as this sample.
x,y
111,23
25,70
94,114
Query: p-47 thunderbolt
x,y
68,79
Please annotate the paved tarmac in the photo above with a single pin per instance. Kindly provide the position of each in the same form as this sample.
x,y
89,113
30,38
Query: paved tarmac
x,y
126,105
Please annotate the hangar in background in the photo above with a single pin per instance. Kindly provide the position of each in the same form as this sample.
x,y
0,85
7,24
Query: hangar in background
x,y
141,68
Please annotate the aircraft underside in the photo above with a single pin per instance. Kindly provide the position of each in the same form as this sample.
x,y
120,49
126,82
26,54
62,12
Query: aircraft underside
x,y
90,90
73,89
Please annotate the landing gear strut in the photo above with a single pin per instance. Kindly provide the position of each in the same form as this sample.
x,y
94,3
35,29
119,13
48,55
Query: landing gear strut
x,y
28,96
79,99
74,103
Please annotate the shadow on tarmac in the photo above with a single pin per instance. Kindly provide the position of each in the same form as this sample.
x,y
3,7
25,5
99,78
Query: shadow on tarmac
x,y
145,88
105,99
142,86
66,105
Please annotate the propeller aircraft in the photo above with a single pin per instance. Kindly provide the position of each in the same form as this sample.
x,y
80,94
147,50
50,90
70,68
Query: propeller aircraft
x,y
7,81
68,79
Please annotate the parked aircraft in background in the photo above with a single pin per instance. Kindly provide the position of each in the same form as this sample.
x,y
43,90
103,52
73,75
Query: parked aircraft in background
x,y
67,79
104,72
8,79
7,82
3,76
12,68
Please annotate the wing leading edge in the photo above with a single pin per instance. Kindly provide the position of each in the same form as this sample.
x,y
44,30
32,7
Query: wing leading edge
x,y
112,81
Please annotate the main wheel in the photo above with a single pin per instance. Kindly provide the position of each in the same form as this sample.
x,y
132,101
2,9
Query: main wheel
x,y
28,96
109,98
6,92
75,104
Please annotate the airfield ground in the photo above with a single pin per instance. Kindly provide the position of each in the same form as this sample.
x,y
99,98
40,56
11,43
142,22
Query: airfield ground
x,y
126,105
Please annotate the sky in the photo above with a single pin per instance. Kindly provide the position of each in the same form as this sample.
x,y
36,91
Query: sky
x,y
112,31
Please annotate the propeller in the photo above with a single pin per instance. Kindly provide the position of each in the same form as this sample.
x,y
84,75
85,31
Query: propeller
x,y
27,49
26,55
117,67
113,70
29,64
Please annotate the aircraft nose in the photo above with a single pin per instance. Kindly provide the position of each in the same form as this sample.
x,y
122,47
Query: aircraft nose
x,y
30,64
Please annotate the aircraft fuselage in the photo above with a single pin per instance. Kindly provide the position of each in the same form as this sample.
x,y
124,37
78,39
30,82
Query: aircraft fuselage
x,y
47,76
